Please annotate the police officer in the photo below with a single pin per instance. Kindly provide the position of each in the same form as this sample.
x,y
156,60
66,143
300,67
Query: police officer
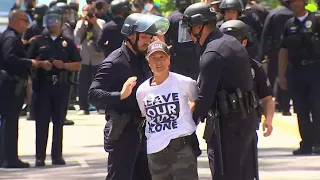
x,y
184,59
52,84
68,32
216,5
225,73
300,48
36,27
240,30
110,37
113,87
34,30
270,46
253,6
15,68
232,10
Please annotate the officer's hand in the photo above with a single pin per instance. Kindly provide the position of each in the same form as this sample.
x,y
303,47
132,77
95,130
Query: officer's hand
x,y
58,64
192,106
267,127
35,63
127,87
46,65
33,38
283,82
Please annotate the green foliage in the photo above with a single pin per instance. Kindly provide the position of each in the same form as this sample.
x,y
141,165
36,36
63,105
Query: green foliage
x,y
167,6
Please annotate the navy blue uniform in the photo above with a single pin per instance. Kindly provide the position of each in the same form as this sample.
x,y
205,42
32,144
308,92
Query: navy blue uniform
x,y
255,28
270,38
184,59
127,156
225,62
34,29
301,39
15,62
110,37
52,91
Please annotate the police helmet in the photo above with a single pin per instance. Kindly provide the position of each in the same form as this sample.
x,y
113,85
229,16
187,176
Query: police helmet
x,y
63,6
39,11
232,4
237,29
53,16
52,3
183,4
197,14
145,23
120,6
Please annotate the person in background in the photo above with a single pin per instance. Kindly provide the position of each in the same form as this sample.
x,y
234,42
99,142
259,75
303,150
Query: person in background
x,y
28,4
87,31
103,11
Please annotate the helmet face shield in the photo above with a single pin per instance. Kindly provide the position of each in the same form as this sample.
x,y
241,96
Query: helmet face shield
x,y
51,20
183,33
152,24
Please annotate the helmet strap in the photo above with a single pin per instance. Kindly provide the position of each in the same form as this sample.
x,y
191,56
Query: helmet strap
x,y
135,45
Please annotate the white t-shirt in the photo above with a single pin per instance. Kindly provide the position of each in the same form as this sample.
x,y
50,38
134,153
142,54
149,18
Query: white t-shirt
x,y
167,111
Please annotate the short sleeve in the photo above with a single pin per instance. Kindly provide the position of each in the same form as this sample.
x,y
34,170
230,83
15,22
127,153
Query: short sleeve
x,y
193,90
284,37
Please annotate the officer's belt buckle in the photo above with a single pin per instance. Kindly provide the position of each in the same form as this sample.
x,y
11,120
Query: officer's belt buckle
x,y
54,79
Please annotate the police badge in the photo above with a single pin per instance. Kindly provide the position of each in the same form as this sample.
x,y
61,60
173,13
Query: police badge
x,y
308,24
64,43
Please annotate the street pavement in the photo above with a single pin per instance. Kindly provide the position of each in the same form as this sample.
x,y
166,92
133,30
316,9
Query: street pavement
x,y
86,159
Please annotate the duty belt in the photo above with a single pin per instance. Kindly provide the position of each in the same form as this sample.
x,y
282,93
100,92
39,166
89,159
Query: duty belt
x,y
62,77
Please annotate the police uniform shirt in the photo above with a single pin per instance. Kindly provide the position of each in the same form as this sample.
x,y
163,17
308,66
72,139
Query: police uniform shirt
x,y
260,79
33,29
112,74
14,57
167,111
297,38
223,61
46,47
273,28
110,37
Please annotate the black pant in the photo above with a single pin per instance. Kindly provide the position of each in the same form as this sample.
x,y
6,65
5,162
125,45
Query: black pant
x,y
86,76
127,158
10,110
306,99
237,138
51,103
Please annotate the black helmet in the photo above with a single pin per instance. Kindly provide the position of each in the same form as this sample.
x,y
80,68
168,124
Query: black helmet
x,y
212,2
39,11
197,14
63,6
145,23
183,4
120,6
53,16
232,4
236,28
